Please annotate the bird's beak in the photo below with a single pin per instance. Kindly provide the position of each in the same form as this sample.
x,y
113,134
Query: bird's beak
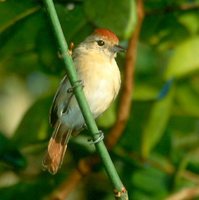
x,y
118,48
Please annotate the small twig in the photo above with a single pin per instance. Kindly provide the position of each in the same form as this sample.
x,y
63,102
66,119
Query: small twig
x,y
127,89
66,186
84,168
191,176
185,194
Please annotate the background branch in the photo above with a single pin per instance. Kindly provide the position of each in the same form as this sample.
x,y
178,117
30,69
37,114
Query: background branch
x,y
128,84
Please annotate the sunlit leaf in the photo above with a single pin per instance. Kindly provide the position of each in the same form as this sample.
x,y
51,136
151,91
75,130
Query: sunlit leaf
x,y
185,59
190,21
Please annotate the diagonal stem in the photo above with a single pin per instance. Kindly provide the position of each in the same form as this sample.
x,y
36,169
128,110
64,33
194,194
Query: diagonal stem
x,y
119,190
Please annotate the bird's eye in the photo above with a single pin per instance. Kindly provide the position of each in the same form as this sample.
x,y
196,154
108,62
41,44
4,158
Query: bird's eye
x,y
100,42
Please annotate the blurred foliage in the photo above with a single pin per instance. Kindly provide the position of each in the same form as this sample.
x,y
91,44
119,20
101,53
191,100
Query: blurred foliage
x,y
158,152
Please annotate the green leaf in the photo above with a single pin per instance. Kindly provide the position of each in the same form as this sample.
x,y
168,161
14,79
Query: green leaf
x,y
17,53
119,16
157,122
12,19
190,21
185,59
138,117
10,16
153,179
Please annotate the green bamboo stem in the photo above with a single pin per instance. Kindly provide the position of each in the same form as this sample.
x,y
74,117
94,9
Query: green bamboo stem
x,y
119,190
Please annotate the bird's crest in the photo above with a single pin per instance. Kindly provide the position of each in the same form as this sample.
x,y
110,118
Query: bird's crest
x,y
107,34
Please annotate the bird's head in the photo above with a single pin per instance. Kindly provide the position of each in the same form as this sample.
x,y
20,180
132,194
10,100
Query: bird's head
x,y
103,41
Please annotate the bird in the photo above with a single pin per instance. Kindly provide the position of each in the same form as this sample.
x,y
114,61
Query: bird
x,y
96,67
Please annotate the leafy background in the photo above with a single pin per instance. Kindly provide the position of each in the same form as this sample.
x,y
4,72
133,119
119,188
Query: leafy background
x,y
158,152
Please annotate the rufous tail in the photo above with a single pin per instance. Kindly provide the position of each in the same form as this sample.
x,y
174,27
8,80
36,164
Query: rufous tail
x,y
56,148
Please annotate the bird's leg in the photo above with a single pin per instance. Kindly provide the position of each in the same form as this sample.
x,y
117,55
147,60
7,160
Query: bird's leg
x,y
70,50
76,84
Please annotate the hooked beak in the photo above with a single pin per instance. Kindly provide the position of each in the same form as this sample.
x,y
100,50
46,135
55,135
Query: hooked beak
x,y
118,48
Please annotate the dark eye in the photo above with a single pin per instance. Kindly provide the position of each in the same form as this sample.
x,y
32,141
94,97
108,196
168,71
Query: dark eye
x,y
100,42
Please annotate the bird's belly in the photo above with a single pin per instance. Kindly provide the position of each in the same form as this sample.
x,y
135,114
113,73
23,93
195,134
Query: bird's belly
x,y
99,96
100,89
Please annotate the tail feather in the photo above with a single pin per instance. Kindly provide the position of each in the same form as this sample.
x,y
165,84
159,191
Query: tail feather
x,y
56,149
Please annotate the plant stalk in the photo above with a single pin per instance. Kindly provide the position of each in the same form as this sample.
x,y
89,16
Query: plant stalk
x,y
119,189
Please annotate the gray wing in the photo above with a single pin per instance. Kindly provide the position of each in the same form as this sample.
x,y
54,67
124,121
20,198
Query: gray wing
x,y
61,97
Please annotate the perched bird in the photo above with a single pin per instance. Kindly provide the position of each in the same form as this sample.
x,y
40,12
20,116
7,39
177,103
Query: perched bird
x,y
95,64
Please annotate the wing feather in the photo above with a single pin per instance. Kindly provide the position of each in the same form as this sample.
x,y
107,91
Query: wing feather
x,y
62,99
